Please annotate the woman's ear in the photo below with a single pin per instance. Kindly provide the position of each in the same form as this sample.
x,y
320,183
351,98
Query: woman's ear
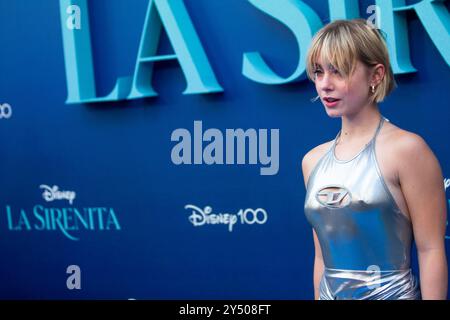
x,y
378,72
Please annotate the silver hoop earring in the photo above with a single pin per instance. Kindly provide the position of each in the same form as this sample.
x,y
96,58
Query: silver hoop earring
x,y
373,89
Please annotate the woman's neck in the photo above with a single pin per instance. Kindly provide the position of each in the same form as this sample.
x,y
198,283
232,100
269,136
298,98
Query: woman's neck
x,y
360,126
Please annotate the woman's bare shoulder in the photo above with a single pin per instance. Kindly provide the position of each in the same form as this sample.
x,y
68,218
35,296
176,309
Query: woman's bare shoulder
x,y
400,140
317,152
311,158
399,149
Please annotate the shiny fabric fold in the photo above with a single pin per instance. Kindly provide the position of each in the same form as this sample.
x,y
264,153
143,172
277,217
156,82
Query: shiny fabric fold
x,y
368,285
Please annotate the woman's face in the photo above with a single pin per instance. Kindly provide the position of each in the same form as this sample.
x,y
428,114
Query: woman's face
x,y
339,95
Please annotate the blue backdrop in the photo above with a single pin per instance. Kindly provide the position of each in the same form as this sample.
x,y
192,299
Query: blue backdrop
x,y
119,228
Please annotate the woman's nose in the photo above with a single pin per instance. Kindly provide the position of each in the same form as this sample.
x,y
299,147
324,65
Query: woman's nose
x,y
326,83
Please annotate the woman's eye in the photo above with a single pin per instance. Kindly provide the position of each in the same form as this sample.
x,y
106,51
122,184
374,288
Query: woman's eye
x,y
317,73
334,70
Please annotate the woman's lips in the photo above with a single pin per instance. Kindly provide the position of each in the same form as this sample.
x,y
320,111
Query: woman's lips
x,y
330,102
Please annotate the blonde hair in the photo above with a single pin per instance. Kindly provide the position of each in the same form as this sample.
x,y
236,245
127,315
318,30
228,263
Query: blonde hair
x,y
345,42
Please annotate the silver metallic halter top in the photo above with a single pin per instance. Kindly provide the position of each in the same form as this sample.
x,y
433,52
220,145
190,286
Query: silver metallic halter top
x,y
364,236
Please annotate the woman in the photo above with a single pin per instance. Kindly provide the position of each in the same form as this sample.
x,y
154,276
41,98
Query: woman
x,y
375,187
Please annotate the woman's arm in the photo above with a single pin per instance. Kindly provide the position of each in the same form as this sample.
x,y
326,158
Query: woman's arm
x,y
318,266
422,185
308,162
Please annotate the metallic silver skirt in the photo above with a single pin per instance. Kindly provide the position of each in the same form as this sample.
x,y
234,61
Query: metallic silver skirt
x,y
339,284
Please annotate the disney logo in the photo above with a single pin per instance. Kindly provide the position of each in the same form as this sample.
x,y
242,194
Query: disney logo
x,y
53,193
200,216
